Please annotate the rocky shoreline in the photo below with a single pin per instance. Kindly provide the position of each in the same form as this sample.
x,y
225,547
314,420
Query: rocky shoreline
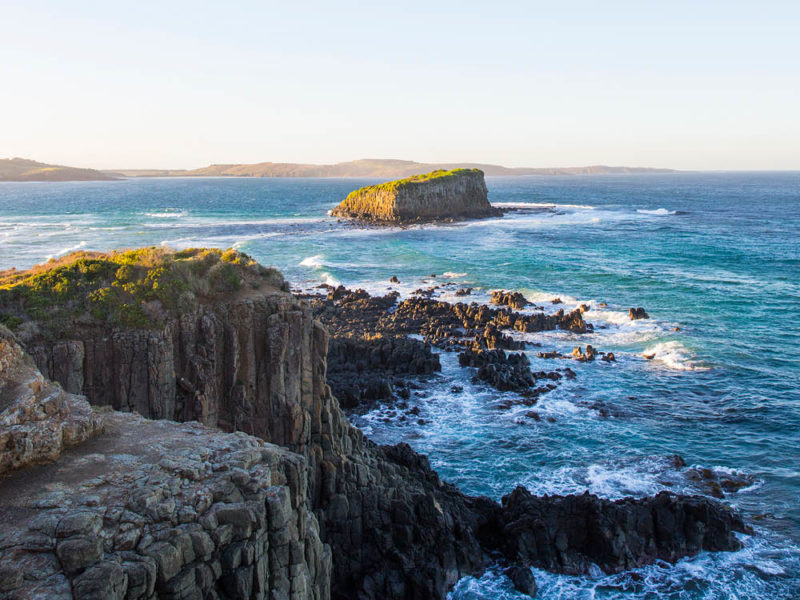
x,y
354,520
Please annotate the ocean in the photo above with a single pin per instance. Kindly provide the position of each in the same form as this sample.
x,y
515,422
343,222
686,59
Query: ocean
x,y
714,258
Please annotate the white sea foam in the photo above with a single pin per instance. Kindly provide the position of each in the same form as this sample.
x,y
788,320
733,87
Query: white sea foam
x,y
312,261
329,279
673,355
451,275
550,205
545,298
641,477
656,211
167,214
78,246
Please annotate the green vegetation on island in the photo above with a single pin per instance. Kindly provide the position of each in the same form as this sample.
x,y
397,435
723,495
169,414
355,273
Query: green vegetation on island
x,y
133,288
391,186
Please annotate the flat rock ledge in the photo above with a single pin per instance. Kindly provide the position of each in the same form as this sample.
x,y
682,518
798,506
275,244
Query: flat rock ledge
x,y
437,196
155,509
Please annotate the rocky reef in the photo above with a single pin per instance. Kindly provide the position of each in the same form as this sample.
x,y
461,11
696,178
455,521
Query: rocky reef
x,y
436,196
292,502
371,353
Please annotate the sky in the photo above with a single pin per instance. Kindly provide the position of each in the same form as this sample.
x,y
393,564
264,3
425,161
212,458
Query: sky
x,y
687,85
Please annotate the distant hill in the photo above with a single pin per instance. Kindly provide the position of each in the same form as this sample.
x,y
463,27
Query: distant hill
x,y
367,168
21,169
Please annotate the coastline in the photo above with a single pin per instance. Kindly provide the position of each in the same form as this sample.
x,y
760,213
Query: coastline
x,y
273,404
458,457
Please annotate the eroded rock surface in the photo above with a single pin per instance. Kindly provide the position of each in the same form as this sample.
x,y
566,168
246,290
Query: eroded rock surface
x,y
155,509
38,420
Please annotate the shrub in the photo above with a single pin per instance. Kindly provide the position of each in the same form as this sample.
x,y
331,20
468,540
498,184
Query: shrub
x,y
134,288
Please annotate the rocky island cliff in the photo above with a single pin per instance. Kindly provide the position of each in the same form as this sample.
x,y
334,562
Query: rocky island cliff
x,y
436,196
292,502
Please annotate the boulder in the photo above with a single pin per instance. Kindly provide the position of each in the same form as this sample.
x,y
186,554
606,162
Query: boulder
x,y
523,580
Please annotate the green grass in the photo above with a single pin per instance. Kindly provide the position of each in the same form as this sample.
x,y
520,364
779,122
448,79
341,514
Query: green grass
x,y
425,177
135,288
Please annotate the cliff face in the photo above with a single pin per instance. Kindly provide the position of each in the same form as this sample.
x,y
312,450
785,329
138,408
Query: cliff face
x,y
142,509
440,195
254,365
257,364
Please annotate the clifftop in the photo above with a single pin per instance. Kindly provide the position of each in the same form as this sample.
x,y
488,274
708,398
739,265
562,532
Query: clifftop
x,y
134,288
21,169
438,195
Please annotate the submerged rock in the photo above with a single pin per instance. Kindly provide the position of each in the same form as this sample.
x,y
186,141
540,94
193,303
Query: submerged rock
x,y
436,196
523,580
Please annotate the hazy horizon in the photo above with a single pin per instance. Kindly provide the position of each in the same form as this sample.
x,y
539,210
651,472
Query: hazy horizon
x,y
181,86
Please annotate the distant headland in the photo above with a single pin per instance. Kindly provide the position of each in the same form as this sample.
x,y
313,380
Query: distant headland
x,y
368,167
20,169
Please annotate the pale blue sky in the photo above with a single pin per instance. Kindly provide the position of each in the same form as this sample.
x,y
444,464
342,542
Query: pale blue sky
x,y
695,85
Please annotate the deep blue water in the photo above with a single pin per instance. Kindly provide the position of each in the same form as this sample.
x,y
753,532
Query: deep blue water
x,y
717,255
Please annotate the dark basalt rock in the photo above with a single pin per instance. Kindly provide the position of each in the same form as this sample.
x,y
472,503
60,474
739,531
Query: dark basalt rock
x,y
361,370
523,580
369,346
505,372
568,534
718,484
513,299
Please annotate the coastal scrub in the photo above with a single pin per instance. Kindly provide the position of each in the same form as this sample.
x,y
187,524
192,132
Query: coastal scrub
x,y
133,288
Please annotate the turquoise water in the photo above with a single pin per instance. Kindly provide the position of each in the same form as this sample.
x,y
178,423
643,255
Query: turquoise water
x,y
716,255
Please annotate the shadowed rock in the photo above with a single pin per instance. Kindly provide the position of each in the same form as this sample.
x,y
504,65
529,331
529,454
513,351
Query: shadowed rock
x,y
568,534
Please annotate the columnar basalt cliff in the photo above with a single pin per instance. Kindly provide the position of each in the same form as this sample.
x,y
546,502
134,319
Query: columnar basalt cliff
x,y
436,196
253,359
143,509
